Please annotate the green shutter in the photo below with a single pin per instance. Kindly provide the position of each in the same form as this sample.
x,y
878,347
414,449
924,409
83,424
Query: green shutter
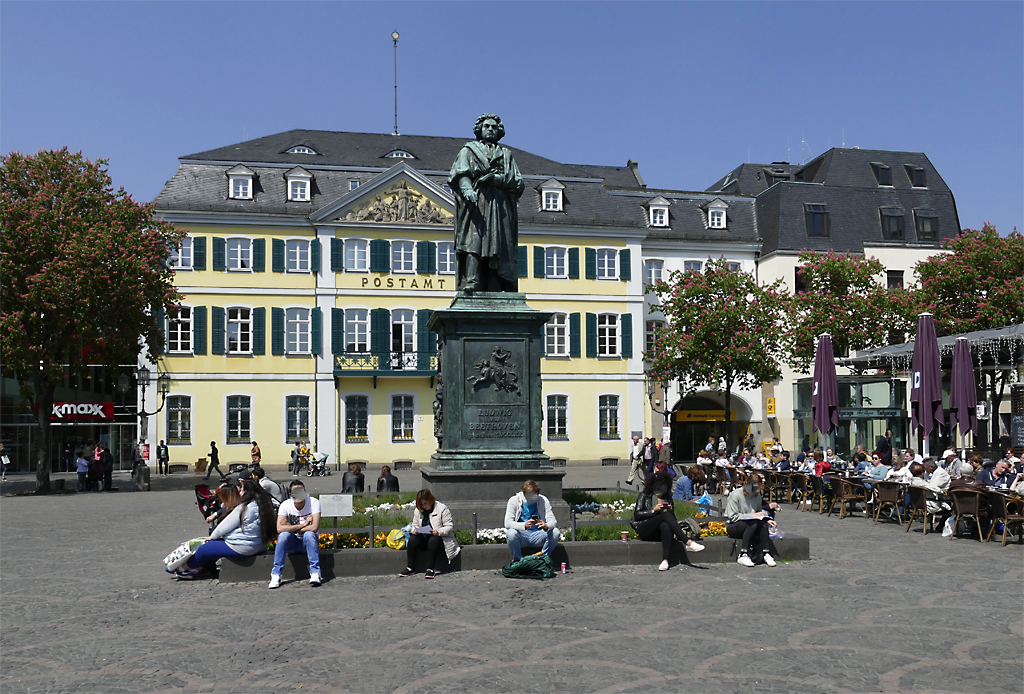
x,y
198,329
591,335
259,330
316,331
217,334
277,255
574,263
523,262
337,331
314,256
198,252
431,257
591,262
574,335
538,261
259,255
218,253
162,328
421,257
380,336
380,255
337,255
626,323
277,331
625,269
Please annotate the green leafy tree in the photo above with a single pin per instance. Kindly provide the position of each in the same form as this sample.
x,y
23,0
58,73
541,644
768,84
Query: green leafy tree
x,y
977,285
82,273
841,295
721,330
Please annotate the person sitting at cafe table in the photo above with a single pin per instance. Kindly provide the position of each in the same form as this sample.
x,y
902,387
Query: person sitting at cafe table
x,y
996,476
750,520
934,497
821,466
936,475
949,462
967,481
899,472
863,467
1018,484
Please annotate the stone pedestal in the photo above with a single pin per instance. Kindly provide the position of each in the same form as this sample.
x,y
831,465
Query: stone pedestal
x,y
489,390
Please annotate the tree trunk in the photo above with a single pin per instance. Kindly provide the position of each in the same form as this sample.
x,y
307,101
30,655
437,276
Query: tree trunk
x,y
44,407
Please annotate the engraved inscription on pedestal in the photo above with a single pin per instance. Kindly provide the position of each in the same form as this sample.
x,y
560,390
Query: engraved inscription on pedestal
x,y
496,412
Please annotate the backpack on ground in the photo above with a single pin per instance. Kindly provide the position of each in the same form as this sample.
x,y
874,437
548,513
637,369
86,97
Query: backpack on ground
x,y
533,566
690,527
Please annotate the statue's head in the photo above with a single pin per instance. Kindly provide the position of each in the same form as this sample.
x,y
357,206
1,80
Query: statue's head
x,y
489,128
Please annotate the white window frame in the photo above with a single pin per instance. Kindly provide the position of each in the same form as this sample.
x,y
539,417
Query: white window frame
x,y
299,186
240,322
734,266
344,418
716,218
613,254
401,243
181,257
252,418
403,359
301,149
302,329
352,185
548,254
365,322
290,441
699,269
242,240
568,418
191,420
550,328
648,274
659,215
241,179
551,200
350,247
618,417
391,417
651,328
451,256
399,154
611,331
302,255
176,322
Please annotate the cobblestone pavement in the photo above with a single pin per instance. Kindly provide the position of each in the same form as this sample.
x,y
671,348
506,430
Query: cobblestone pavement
x,y
86,607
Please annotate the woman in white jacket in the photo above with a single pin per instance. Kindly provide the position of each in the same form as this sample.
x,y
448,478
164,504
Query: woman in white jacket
x,y
432,529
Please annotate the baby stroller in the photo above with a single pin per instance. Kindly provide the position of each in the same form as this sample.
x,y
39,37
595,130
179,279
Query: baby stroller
x,y
207,500
318,466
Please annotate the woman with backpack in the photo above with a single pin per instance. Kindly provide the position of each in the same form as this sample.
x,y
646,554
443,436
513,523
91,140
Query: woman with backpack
x,y
654,516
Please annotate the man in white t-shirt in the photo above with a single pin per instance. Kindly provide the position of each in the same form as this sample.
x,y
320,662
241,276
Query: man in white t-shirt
x,y
298,521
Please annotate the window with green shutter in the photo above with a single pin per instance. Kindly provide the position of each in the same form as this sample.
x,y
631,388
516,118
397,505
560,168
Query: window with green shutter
x,y
574,263
277,255
198,252
314,256
591,335
259,255
523,261
199,330
380,255
337,331
316,331
218,253
574,335
626,327
625,269
591,261
426,257
538,261
217,334
277,331
380,336
259,330
337,255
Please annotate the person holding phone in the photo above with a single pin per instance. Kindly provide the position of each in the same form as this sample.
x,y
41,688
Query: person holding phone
x,y
432,529
530,521
654,516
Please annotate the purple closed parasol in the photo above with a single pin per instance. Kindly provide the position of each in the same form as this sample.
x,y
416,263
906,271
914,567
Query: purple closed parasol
x,y
963,391
825,397
926,378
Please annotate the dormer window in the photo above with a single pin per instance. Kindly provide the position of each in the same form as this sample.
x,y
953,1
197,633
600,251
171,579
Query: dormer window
x,y
658,210
301,149
892,223
240,182
917,176
883,174
399,154
299,184
716,211
551,195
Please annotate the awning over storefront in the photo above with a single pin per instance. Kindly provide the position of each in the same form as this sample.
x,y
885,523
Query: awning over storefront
x,y
1001,348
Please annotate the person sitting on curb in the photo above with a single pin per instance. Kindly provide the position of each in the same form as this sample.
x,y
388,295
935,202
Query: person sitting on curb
x,y
654,518
749,520
530,521
432,529
272,488
298,521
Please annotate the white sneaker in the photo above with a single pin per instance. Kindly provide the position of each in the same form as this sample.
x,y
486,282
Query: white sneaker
x,y
694,547
744,560
314,579
275,581
768,559
663,566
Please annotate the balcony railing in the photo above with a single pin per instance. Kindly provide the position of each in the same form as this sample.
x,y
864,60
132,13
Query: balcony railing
x,y
385,364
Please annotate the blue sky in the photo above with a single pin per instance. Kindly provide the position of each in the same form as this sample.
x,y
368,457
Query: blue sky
x,y
690,90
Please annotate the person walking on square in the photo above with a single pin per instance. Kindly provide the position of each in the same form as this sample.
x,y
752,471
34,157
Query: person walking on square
x,y
82,467
214,460
69,458
530,521
650,455
298,522
295,458
163,459
433,530
635,461
257,455
4,462
108,468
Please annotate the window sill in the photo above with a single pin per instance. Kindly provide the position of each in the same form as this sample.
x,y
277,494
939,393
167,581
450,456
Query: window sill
x,y
297,272
607,279
239,442
403,440
238,354
554,277
171,442
610,438
299,355
241,270
561,357
176,353
403,272
560,439
609,356
357,440
182,269
354,270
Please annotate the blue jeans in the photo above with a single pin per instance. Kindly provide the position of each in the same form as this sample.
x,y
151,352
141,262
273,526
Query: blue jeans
x,y
209,552
547,540
287,543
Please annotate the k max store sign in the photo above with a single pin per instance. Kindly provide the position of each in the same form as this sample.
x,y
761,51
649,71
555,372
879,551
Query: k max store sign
x,y
94,411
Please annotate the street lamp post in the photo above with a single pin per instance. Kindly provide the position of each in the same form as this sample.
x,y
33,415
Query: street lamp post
x,y
163,386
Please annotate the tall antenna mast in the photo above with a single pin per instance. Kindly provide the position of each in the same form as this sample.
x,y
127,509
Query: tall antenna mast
x,y
394,37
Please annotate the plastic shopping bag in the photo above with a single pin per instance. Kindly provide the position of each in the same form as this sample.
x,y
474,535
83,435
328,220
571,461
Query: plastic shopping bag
x,y
396,539
705,502
183,553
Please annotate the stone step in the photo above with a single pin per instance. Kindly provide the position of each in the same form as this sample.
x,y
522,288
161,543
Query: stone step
x,y
338,563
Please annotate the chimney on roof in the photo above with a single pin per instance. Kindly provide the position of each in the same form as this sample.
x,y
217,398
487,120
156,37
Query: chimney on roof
x,y
634,167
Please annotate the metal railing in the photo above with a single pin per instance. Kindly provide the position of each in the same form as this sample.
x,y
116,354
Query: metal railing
x,y
385,362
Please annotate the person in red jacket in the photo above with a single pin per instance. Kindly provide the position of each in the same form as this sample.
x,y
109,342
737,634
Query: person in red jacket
x,y
821,466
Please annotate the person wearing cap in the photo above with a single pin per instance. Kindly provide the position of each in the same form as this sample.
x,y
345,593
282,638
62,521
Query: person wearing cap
x,y
654,518
949,462
936,475
298,521
530,521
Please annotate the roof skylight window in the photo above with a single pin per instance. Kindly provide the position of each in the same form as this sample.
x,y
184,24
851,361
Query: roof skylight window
x,y
301,149
399,154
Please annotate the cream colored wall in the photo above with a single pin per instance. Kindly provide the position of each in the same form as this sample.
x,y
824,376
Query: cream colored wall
x,y
380,450
584,444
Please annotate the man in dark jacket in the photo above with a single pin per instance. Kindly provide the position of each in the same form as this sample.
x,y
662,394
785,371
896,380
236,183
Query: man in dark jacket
x,y
884,447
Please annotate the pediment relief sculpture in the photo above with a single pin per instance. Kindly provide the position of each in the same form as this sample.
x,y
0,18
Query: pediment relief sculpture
x,y
400,204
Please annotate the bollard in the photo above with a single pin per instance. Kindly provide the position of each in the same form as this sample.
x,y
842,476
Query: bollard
x,y
572,519
371,531
474,527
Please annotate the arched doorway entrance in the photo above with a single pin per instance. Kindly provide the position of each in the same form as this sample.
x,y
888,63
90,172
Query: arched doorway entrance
x,y
700,416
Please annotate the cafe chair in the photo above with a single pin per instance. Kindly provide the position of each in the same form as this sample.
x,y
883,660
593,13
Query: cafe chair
x,y
887,495
778,485
967,503
845,492
919,505
1003,511
820,492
